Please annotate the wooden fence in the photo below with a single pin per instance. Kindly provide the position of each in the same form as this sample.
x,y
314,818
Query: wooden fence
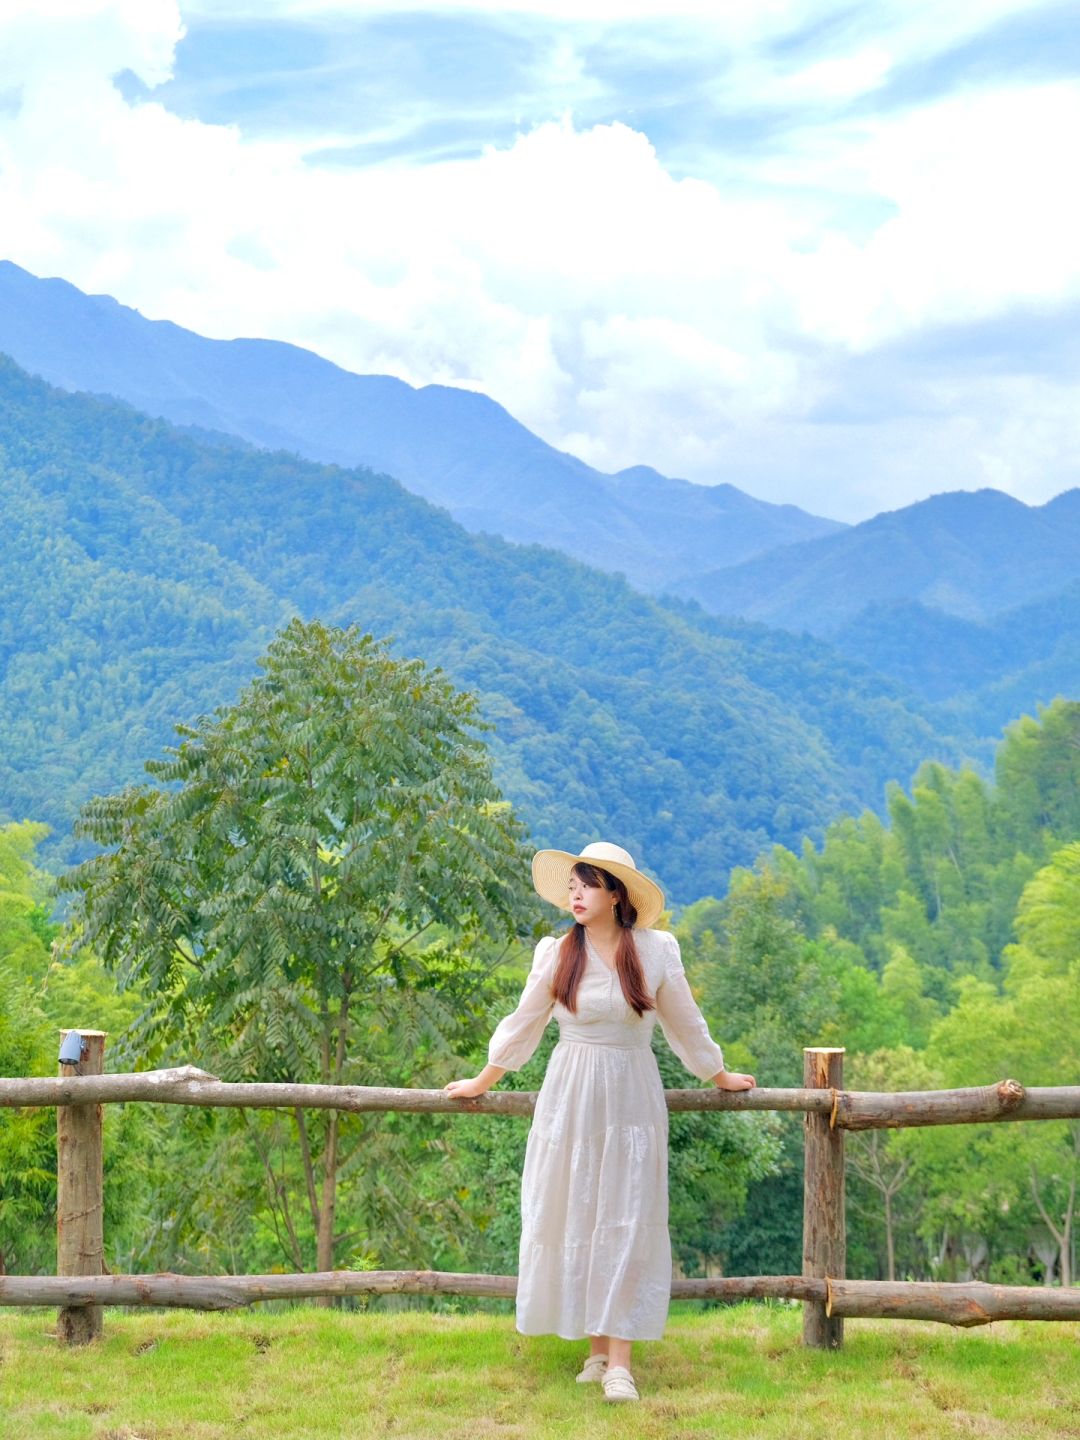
x,y
80,1288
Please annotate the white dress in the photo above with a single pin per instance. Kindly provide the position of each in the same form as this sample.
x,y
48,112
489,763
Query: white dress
x,y
595,1255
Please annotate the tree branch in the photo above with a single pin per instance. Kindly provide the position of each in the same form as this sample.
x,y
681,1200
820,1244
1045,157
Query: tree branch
x,y
276,1194
309,1170
1054,1231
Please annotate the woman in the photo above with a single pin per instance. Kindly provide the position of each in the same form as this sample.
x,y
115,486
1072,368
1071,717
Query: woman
x,y
595,1258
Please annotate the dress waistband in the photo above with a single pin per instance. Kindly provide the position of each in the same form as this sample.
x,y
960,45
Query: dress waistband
x,y
604,1044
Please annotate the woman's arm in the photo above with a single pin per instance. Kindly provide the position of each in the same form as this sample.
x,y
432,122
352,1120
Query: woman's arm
x,y
517,1035
685,1028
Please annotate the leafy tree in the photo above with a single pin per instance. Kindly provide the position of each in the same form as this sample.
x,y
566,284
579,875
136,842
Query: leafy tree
x,y
767,991
309,888
882,1159
714,1161
903,990
1042,983
27,1137
39,993
1027,1176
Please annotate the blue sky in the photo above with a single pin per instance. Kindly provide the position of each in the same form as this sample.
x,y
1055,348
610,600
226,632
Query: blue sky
x,y
422,87
827,252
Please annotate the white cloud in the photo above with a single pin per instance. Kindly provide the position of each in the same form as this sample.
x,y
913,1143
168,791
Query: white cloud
x,y
51,44
984,216
625,314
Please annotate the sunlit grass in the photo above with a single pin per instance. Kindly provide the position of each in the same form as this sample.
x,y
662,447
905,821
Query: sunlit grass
x,y
309,1373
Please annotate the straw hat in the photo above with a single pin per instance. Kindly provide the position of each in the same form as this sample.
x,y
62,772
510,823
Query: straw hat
x,y
551,878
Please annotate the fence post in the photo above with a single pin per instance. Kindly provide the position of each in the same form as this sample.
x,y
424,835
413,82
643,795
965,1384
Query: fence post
x,y
80,1193
824,1239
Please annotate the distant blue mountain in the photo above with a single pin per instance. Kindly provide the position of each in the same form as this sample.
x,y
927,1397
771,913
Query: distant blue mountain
x,y
967,554
456,448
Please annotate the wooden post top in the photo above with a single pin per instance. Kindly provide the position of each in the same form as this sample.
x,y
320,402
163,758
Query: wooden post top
x,y
824,1050
90,1034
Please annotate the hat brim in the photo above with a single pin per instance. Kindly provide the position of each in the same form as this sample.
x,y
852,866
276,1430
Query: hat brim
x,y
551,878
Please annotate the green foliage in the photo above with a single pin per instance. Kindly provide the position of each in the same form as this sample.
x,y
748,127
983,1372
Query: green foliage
x,y
885,1187
940,950
310,893
944,879
310,833
1032,1030
163,563
42,991
27,1137
714,1160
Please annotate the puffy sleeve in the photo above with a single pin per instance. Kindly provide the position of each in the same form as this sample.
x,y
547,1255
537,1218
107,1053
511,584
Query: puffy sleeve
x,y
683,1024
517,1035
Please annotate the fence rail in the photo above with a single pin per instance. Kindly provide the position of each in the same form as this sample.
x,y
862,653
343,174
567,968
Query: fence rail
x,y
80,1288
967,1304
846,1109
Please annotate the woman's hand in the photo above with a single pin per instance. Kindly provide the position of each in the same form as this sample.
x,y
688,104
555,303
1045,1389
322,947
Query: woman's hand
x,y
465,1089
732,1080
470,1089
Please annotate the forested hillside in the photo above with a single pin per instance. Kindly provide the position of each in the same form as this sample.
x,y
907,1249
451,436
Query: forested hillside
x,y
942,948
144,569
984,672
457,448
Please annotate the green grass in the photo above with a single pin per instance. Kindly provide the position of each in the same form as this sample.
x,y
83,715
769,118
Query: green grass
x,y
308,1374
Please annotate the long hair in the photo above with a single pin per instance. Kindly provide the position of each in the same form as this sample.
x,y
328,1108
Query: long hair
x,y
572,955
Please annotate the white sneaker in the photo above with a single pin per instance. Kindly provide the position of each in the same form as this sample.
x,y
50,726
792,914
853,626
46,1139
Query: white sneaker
x,y
619,1384
593,1369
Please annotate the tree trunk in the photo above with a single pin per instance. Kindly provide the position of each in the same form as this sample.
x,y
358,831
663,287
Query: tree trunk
x,y
325,1241
890,1249
328,1207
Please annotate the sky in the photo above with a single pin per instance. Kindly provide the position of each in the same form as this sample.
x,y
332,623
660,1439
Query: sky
x,y
827,252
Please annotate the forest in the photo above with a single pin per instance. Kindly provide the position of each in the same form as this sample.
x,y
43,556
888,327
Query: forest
x,y
269,904
164,561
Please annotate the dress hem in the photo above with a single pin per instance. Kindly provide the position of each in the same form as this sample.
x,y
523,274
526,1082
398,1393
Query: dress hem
x,y
586,1335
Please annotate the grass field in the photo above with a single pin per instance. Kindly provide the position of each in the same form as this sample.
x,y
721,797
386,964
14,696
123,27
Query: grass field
x,y
307,1374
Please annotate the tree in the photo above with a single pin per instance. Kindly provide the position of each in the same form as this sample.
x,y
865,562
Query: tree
x,y
881,1158
1043,983
269,894
39,992
27,1137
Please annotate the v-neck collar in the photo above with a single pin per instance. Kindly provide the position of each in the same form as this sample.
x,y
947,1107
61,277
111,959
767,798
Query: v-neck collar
x,y
596,954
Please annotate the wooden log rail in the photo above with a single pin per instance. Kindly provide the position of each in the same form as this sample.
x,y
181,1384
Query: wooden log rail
x,y
967,1304
846,1109
80,1289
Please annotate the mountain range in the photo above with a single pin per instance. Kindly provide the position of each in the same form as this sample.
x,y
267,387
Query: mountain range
x,y
968,554
971,555
455,447
752,698
143,569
